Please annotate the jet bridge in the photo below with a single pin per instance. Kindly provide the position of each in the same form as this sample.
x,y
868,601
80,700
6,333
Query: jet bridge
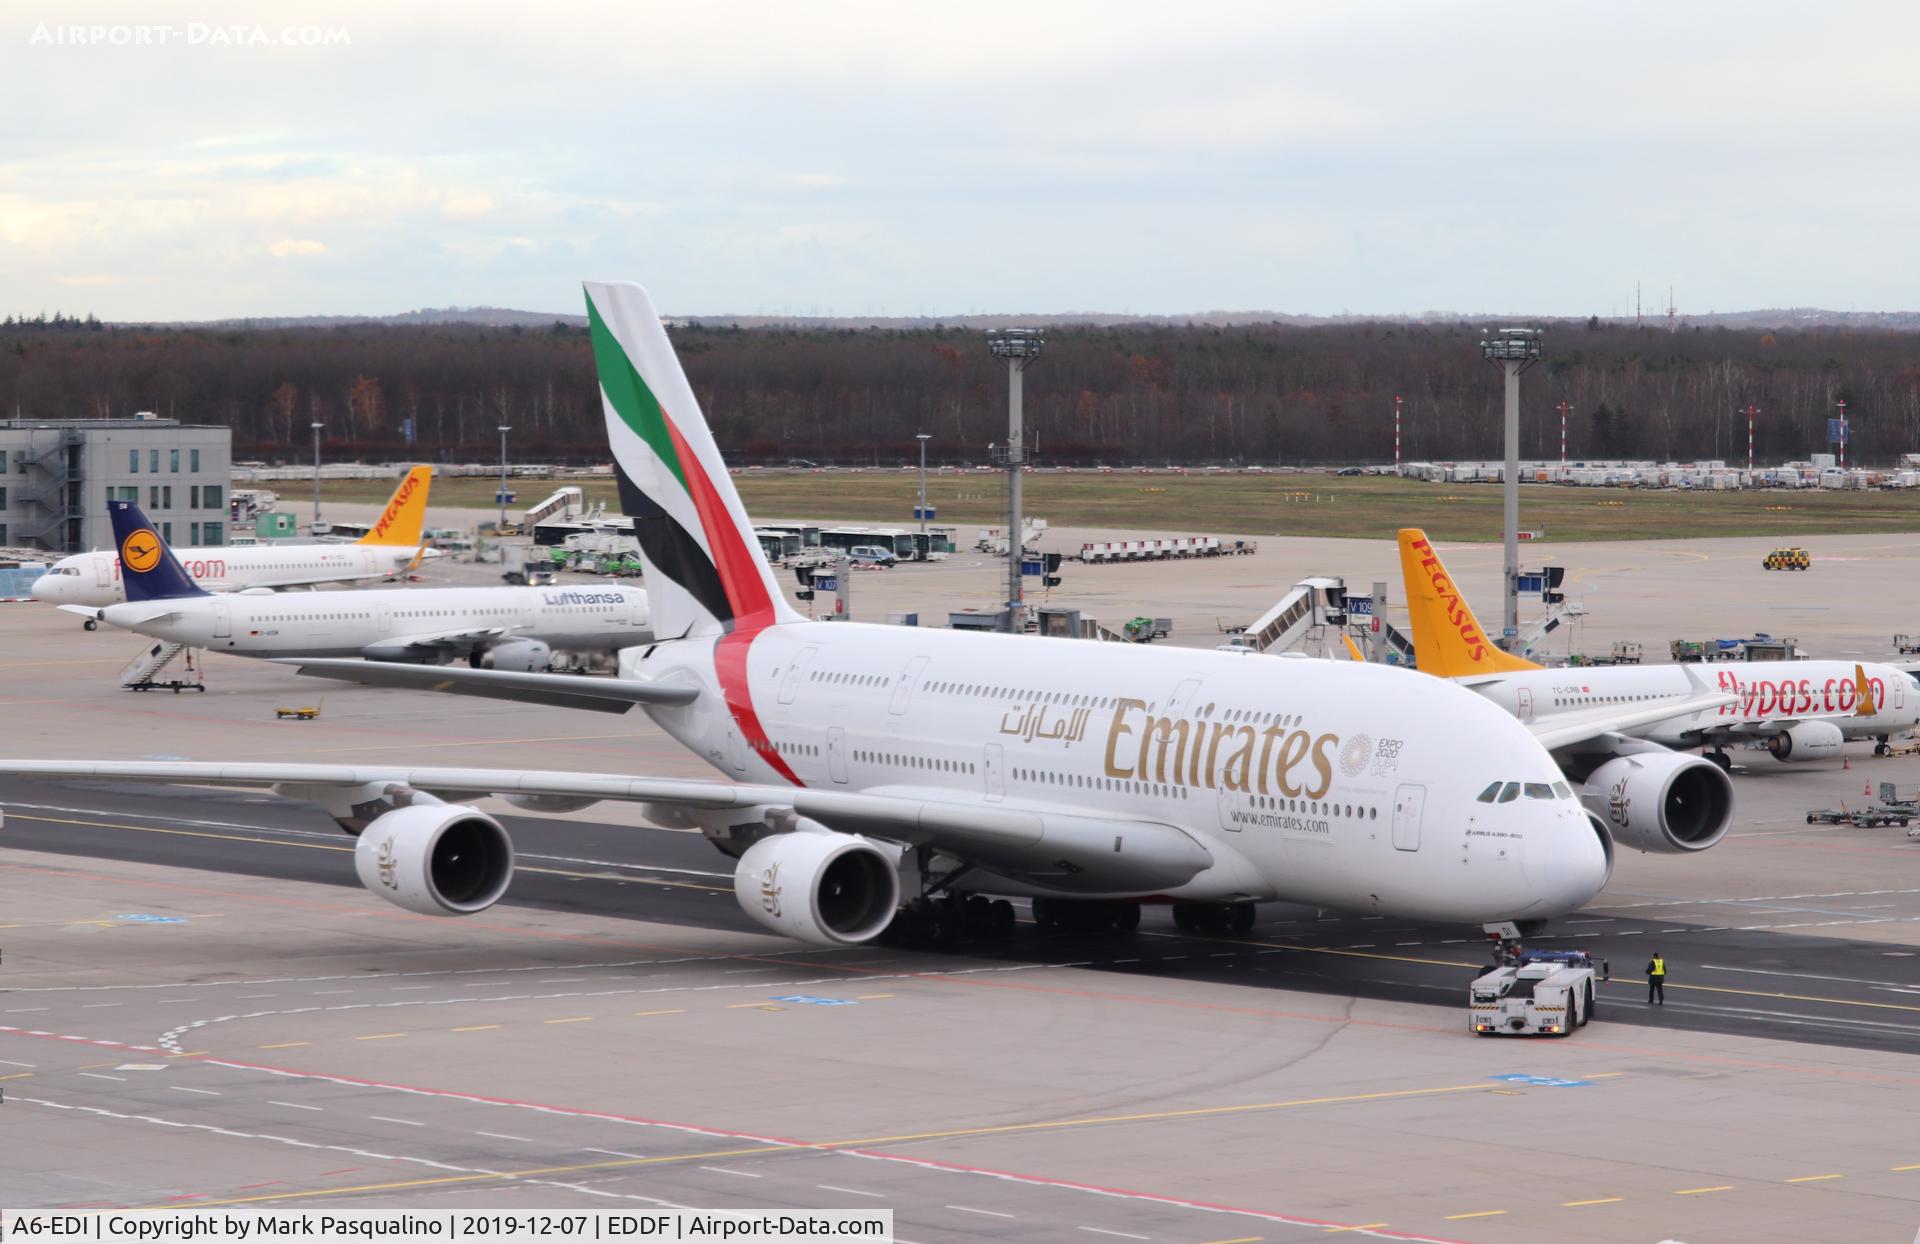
x,y
1315,611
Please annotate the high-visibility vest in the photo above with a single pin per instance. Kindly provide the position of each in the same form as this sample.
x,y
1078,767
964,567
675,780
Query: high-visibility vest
x,y
1659,967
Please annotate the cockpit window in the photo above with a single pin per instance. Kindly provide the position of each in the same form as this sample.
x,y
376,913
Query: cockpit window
x,y
1539,790
1510,792
1563,790
1486,796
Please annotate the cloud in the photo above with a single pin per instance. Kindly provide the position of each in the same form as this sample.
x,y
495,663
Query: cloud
x,y
461,206
288,247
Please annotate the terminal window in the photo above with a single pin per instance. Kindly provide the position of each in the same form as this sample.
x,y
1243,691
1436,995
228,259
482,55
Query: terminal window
x,y
211,498
196,459
153,461
166,532
3,498
133,462
3,461
213,533
173,461
193,536
3,533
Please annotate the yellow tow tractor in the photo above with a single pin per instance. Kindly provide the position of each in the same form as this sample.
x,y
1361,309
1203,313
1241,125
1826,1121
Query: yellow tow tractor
x,y
298,712
1788,559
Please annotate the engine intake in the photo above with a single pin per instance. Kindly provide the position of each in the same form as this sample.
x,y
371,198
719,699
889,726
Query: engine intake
x,y
435,859
827,888
1661,801
526,656
1809,740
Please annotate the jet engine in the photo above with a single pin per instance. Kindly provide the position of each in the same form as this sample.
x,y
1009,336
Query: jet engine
x,y
819,886
1661,801
1810,740
435,859
525,656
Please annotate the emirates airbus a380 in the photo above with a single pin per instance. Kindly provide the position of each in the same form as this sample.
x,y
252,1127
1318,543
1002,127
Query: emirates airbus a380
x,y
865,763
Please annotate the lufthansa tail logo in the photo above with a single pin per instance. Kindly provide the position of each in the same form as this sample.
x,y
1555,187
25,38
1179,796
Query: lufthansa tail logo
x,y
140,551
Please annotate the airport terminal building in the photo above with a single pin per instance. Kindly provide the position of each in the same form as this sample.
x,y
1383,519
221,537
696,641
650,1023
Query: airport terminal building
x,y
57,475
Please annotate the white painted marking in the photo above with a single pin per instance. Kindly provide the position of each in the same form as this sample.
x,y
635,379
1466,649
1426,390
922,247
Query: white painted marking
x,y
848,1191
96,1075
387,1118
728,1170
991,1213
1125,1235
11,1063
294,1105
181,1088
618,1153
525,1140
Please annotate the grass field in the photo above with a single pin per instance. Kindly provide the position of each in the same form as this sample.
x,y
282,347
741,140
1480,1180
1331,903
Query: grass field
x,y
1305,505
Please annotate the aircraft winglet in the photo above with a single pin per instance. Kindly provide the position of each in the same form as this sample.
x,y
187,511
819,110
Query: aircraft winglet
x,y
1864,705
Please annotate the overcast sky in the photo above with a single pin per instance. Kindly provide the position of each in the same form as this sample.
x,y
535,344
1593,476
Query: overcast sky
x,y
917,158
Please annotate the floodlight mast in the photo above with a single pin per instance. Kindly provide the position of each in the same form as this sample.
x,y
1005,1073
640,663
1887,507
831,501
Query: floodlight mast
x,y
1020,347
1515,349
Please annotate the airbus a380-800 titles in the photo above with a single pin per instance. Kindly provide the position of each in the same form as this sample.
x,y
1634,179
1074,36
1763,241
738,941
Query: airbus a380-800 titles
x,y
506,628
862,761
1801,710
393,547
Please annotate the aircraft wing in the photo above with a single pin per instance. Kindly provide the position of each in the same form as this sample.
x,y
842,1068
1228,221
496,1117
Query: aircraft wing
x,y
401,647
126,615
605,695
1084,852
1572,729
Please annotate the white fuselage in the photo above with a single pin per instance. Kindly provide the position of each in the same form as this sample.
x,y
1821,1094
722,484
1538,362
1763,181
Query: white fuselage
x,y
94,578
1769,692
1341,785
592,619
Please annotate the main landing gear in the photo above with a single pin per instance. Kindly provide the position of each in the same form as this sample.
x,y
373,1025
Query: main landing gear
x,y
1881,746
1213,917
1719,756
951,918
90,624
1073,915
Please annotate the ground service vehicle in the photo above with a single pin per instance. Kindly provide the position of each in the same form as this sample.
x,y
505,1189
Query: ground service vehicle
x,y
1533,991
1787,559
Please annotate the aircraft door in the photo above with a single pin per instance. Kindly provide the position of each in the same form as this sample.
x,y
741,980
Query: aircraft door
x,y
1523,706
1899,693
995,772
905,685
1182,697
1407,802
383,621
797,674
222,619
104,569
837,754
736,747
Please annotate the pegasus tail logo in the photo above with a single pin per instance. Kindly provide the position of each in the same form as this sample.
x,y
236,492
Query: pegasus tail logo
x,y
405,515
1447,638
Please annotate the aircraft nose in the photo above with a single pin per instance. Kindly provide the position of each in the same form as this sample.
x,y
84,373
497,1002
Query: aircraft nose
x,y
1572,869
47,587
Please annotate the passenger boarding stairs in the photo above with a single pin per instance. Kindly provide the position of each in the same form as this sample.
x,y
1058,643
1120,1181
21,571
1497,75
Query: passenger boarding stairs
x,y
142,673
1313,615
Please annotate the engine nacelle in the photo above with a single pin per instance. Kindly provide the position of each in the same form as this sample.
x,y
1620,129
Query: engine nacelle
x,y
525,656
1661,801
435,859
826,888
1810,740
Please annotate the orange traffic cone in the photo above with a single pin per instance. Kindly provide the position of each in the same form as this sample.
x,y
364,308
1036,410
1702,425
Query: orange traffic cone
x,y
1866,790
1846,762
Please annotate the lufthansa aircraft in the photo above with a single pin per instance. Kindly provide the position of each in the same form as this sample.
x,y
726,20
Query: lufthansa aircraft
x,y
393,547
1801,710
508,628
972,766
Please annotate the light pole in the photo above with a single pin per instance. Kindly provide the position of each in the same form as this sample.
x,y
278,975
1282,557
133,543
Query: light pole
x,y
1020,347
923,438
502,498
317,425
1515,349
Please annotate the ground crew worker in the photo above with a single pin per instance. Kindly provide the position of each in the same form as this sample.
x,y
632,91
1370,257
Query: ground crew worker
x,y
1656,980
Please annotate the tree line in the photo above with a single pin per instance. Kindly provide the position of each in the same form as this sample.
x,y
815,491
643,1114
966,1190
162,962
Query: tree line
x,y
1109,394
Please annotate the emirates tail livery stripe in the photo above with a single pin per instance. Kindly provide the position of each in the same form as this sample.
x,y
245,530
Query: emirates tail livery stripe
x,y
684,518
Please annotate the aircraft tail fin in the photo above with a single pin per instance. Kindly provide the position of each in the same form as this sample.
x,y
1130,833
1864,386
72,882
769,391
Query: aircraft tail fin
x,y
705,571
405,516
148,568
1447,639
